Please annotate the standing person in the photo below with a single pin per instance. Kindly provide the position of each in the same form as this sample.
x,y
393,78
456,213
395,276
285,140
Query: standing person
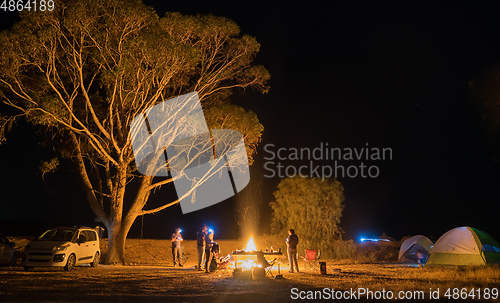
x,y
291,243
209,243
176,247
200,241
420,258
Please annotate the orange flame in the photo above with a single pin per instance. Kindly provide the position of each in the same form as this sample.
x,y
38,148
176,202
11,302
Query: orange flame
x,y
250,245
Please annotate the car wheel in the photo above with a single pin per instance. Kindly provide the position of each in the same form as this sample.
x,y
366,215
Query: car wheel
x,y
71,263
13,260
96,260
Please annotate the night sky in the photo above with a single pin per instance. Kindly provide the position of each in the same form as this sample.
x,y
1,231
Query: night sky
x,y
391,74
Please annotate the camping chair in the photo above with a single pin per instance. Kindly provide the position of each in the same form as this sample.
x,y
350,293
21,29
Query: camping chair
x,y
311,260
184,256
268,266
224,263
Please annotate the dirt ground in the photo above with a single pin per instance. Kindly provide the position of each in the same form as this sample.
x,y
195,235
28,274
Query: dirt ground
x,y
150,277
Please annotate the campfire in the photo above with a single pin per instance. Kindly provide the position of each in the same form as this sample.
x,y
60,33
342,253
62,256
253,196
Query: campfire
x,y
246,259
250,245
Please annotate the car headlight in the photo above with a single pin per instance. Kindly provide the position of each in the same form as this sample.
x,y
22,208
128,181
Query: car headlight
x,y
61,247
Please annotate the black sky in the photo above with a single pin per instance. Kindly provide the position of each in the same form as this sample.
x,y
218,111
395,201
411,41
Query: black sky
x,y
392,74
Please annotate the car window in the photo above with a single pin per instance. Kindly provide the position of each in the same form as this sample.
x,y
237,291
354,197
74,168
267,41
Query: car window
x,y
57,235
83,235
91,235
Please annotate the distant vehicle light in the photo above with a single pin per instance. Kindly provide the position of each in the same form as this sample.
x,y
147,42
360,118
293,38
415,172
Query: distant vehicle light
x,y
373,240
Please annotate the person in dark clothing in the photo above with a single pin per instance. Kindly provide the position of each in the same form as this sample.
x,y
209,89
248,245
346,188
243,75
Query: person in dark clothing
x,y
200,241
291,243
209,243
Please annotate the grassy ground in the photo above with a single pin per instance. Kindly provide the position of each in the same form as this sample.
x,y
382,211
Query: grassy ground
x,y
150,277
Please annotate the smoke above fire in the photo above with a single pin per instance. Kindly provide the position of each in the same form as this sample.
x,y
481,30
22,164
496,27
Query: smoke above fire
x,y
247,213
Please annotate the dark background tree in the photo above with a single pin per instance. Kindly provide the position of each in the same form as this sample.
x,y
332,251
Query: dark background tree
x,y
312,208
82,72
485,89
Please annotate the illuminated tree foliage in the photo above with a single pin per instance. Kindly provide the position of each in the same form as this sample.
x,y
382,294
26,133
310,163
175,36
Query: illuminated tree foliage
x,y
82,72
312,208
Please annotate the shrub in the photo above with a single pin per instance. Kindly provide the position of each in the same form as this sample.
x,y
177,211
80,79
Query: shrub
x,y
370,252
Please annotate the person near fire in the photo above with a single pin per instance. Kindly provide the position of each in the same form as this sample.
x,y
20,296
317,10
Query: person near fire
x,y
291,242
200,240
176,247
209,243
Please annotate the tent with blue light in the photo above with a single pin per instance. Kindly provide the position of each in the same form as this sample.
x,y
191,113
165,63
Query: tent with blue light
x,y
465,246
410,248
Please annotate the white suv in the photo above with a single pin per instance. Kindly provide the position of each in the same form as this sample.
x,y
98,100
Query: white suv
x,y
63,247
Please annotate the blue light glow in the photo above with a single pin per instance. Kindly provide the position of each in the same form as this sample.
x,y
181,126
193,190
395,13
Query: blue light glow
x,y
372,240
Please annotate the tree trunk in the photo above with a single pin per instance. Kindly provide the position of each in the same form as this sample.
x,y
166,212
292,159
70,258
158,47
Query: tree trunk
x,y
116,245
117,233
117,239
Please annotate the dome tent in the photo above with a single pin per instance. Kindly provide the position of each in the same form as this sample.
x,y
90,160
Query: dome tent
x,y
410,247
465,246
